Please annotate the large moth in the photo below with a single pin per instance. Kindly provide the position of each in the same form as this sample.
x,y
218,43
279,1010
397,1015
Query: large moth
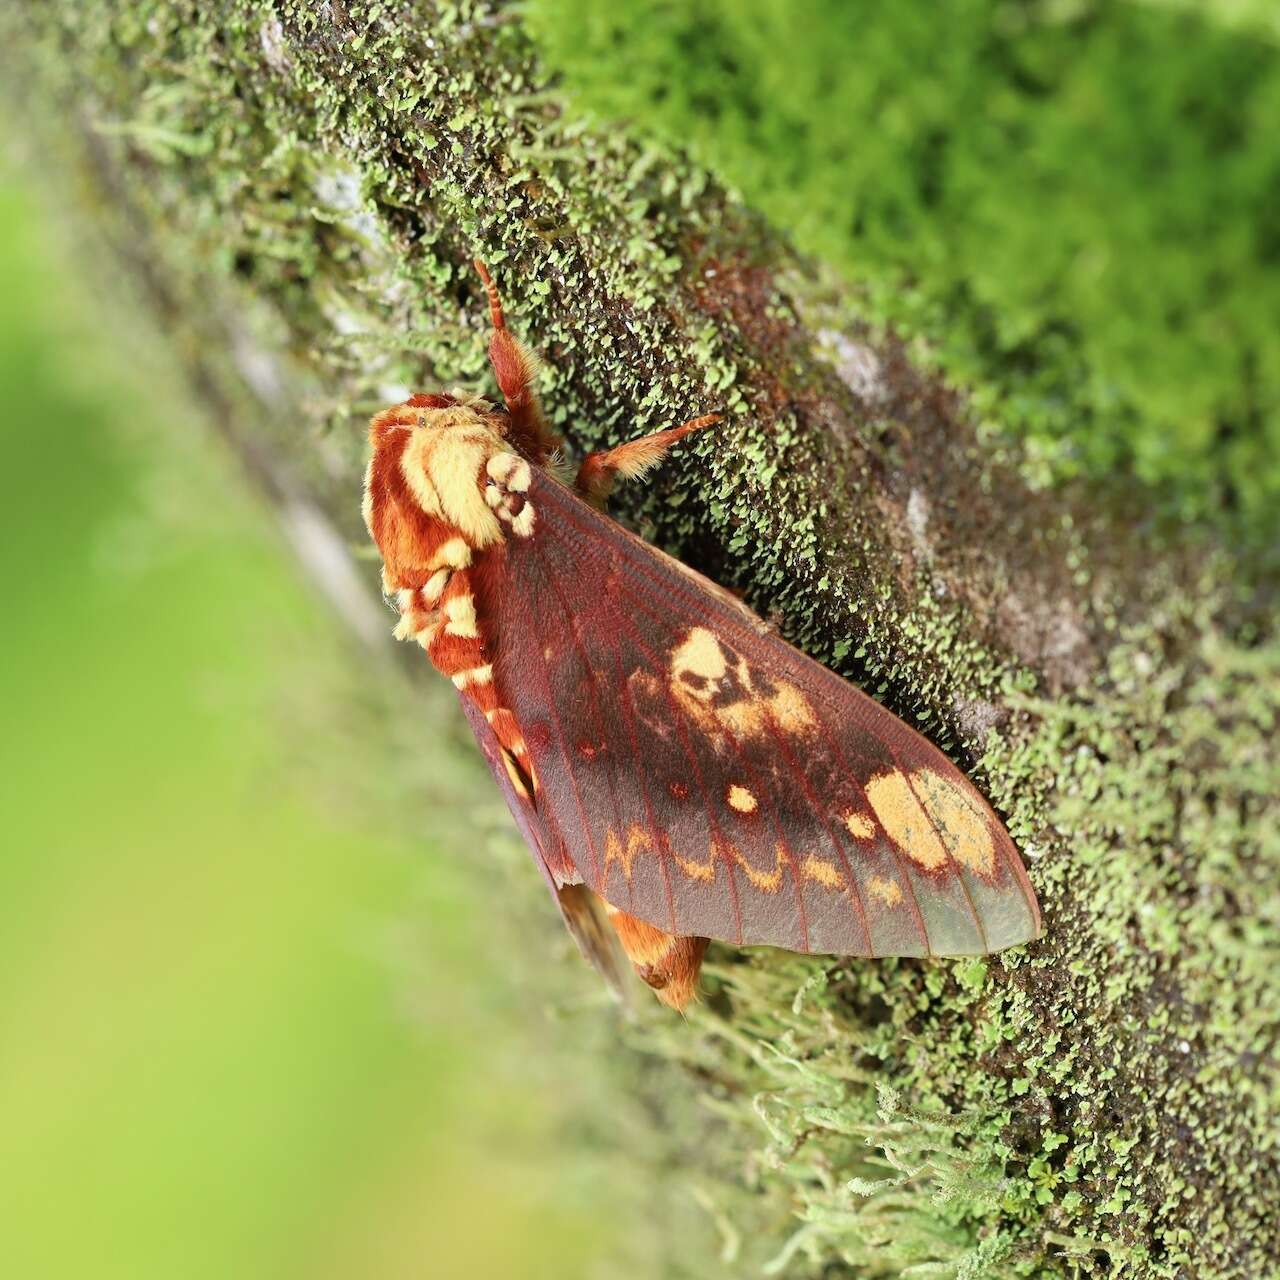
x,y
679,772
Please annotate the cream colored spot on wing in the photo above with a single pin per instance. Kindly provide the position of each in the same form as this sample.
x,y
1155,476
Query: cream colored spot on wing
x,y
741,799
722,693
790,709
461,613
823,872
638,841
514,775
700,655
859,825
964,827
906,822
704,871
886,890
767,881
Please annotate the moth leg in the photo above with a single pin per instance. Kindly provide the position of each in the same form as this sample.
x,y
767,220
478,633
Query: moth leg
x,y
514,366
506,491
585,920
668,963
599,471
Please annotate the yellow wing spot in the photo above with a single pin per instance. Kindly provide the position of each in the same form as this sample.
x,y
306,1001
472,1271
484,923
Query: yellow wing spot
x,y
965,829
461,613
767,881
887,891
701,655
719,690
859,825
638,841
789,708
513,773
741,799
906,822
823,872
704,871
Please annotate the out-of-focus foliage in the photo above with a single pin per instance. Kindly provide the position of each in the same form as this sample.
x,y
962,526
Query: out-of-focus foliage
x,y
250,1026
1076,204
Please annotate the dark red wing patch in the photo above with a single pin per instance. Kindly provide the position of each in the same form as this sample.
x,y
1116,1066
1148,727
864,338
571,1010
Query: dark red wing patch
x,y
708,778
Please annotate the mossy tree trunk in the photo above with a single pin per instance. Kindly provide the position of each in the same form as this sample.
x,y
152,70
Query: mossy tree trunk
x,y
300,188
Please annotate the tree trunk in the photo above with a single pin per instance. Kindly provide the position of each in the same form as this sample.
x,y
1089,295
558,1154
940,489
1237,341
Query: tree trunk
x,y
300,189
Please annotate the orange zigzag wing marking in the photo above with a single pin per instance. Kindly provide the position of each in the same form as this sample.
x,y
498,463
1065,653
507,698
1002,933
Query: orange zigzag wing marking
x,y
814,818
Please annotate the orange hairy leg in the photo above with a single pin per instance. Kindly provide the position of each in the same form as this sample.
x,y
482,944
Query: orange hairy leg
x,y
667,962
514,366
632,460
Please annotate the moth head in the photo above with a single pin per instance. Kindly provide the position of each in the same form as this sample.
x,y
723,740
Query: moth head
x,y
432,412
427,463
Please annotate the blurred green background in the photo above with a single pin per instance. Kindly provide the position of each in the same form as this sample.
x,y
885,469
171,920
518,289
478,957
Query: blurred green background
x,y
217,944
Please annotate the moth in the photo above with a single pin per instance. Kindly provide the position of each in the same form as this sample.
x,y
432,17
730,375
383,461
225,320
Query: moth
x,y
679,772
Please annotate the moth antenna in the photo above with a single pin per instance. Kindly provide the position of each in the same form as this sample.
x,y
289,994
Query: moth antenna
x,y
495,299
515,368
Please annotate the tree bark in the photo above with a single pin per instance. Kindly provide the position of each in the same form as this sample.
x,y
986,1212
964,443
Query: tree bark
x,y
299,191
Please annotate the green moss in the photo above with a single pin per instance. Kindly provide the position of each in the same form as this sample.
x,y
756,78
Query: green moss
x,y
1072,205
301,189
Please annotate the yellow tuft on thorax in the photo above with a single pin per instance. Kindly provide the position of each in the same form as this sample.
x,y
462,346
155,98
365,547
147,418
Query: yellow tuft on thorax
x,y
442,465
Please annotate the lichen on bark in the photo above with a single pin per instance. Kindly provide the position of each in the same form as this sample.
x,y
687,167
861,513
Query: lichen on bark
x,y
300,188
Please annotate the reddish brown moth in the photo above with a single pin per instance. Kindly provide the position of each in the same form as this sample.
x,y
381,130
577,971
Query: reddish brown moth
x,y
679,772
